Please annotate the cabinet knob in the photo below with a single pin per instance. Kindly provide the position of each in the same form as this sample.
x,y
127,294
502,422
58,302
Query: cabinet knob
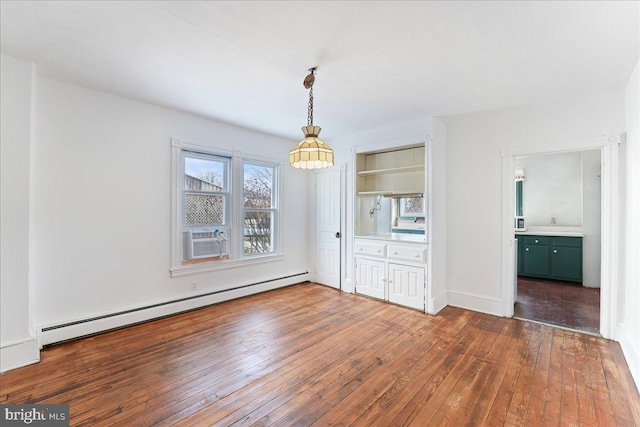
x,y
390,281
395,252
555,251
361,249
384,280
527,249
379,251
417,255
536,240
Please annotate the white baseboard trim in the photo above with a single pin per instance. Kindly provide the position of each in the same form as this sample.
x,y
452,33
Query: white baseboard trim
x,y
58,333
438,303
631,353
479,303
18,354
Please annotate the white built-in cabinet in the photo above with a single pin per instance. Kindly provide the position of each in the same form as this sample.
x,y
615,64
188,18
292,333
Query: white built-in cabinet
x,y
392,271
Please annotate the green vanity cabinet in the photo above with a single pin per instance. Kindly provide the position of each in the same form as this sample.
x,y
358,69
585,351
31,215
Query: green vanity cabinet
x,y
550,257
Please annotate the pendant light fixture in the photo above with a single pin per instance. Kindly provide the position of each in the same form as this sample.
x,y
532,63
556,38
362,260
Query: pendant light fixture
x,y
311,153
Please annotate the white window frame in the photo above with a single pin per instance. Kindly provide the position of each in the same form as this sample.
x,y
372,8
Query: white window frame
x,y
275,208
226,184
234,214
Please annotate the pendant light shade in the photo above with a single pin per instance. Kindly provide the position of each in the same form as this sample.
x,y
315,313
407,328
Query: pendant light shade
x,y
311,152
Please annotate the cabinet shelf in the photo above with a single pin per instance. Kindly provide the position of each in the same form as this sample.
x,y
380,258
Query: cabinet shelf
x,y
373,193
391,193
398,169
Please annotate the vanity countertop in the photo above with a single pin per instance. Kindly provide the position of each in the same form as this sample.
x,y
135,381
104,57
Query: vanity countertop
x,y
395,237
551,231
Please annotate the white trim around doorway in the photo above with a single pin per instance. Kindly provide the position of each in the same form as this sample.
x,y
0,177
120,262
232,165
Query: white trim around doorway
x,y
610,222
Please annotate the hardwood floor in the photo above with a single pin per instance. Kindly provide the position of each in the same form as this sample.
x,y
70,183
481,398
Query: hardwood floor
x,y
311,355
559,303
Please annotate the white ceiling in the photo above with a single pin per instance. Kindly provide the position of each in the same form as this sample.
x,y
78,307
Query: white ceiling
x,y
378,62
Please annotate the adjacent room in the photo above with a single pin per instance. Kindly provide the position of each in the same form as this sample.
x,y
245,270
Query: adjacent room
x,y
320,213
559,238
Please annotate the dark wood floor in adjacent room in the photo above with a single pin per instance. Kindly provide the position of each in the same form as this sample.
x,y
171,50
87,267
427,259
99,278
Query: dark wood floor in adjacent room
x,y
559,303
311,355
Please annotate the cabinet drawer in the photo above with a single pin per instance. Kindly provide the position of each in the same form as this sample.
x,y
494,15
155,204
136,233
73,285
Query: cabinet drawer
x,y
568,242
406,253
536,240
370,249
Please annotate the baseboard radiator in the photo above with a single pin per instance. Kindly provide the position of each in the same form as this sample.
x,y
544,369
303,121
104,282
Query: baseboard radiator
x,y
56,334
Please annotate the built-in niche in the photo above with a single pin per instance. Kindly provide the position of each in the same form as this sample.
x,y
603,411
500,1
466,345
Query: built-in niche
x,y
390,191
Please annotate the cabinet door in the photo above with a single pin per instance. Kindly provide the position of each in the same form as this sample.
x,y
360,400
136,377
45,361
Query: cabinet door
x,y
536,260
566,263
406,285
370,277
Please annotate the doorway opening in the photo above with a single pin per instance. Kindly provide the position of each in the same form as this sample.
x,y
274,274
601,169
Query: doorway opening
x,y
557,208
609,200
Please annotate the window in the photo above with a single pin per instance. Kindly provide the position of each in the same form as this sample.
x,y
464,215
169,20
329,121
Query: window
x,y
409,215
410,207
225,210
259,208
205,190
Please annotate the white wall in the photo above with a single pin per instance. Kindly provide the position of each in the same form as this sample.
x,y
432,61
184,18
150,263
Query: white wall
x,y
85,207
552,188
102,204
17,333
474,182
630,333
591,218
439,216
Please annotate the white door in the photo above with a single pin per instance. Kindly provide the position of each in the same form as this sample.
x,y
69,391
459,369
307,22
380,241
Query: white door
x,y
370,277
406,285
328,228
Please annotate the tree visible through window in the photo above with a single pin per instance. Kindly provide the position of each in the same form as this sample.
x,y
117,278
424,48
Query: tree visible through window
x,y
226,205
259,208
411,207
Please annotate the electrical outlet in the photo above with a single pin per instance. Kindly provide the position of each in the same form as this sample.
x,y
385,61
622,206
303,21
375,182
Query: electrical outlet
x,y
194,286
553,220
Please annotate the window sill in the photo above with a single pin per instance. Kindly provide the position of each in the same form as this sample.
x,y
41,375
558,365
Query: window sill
x,y
206,267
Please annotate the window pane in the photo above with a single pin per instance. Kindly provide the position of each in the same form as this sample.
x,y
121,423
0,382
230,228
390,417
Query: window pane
x,y
412,206
258,186
204,174
203,209
257,232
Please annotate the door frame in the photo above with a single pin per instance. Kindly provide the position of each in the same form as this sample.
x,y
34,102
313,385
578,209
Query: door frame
x,y
341,215
610,209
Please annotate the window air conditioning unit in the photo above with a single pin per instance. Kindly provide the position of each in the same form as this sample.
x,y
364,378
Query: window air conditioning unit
x,y
205,243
